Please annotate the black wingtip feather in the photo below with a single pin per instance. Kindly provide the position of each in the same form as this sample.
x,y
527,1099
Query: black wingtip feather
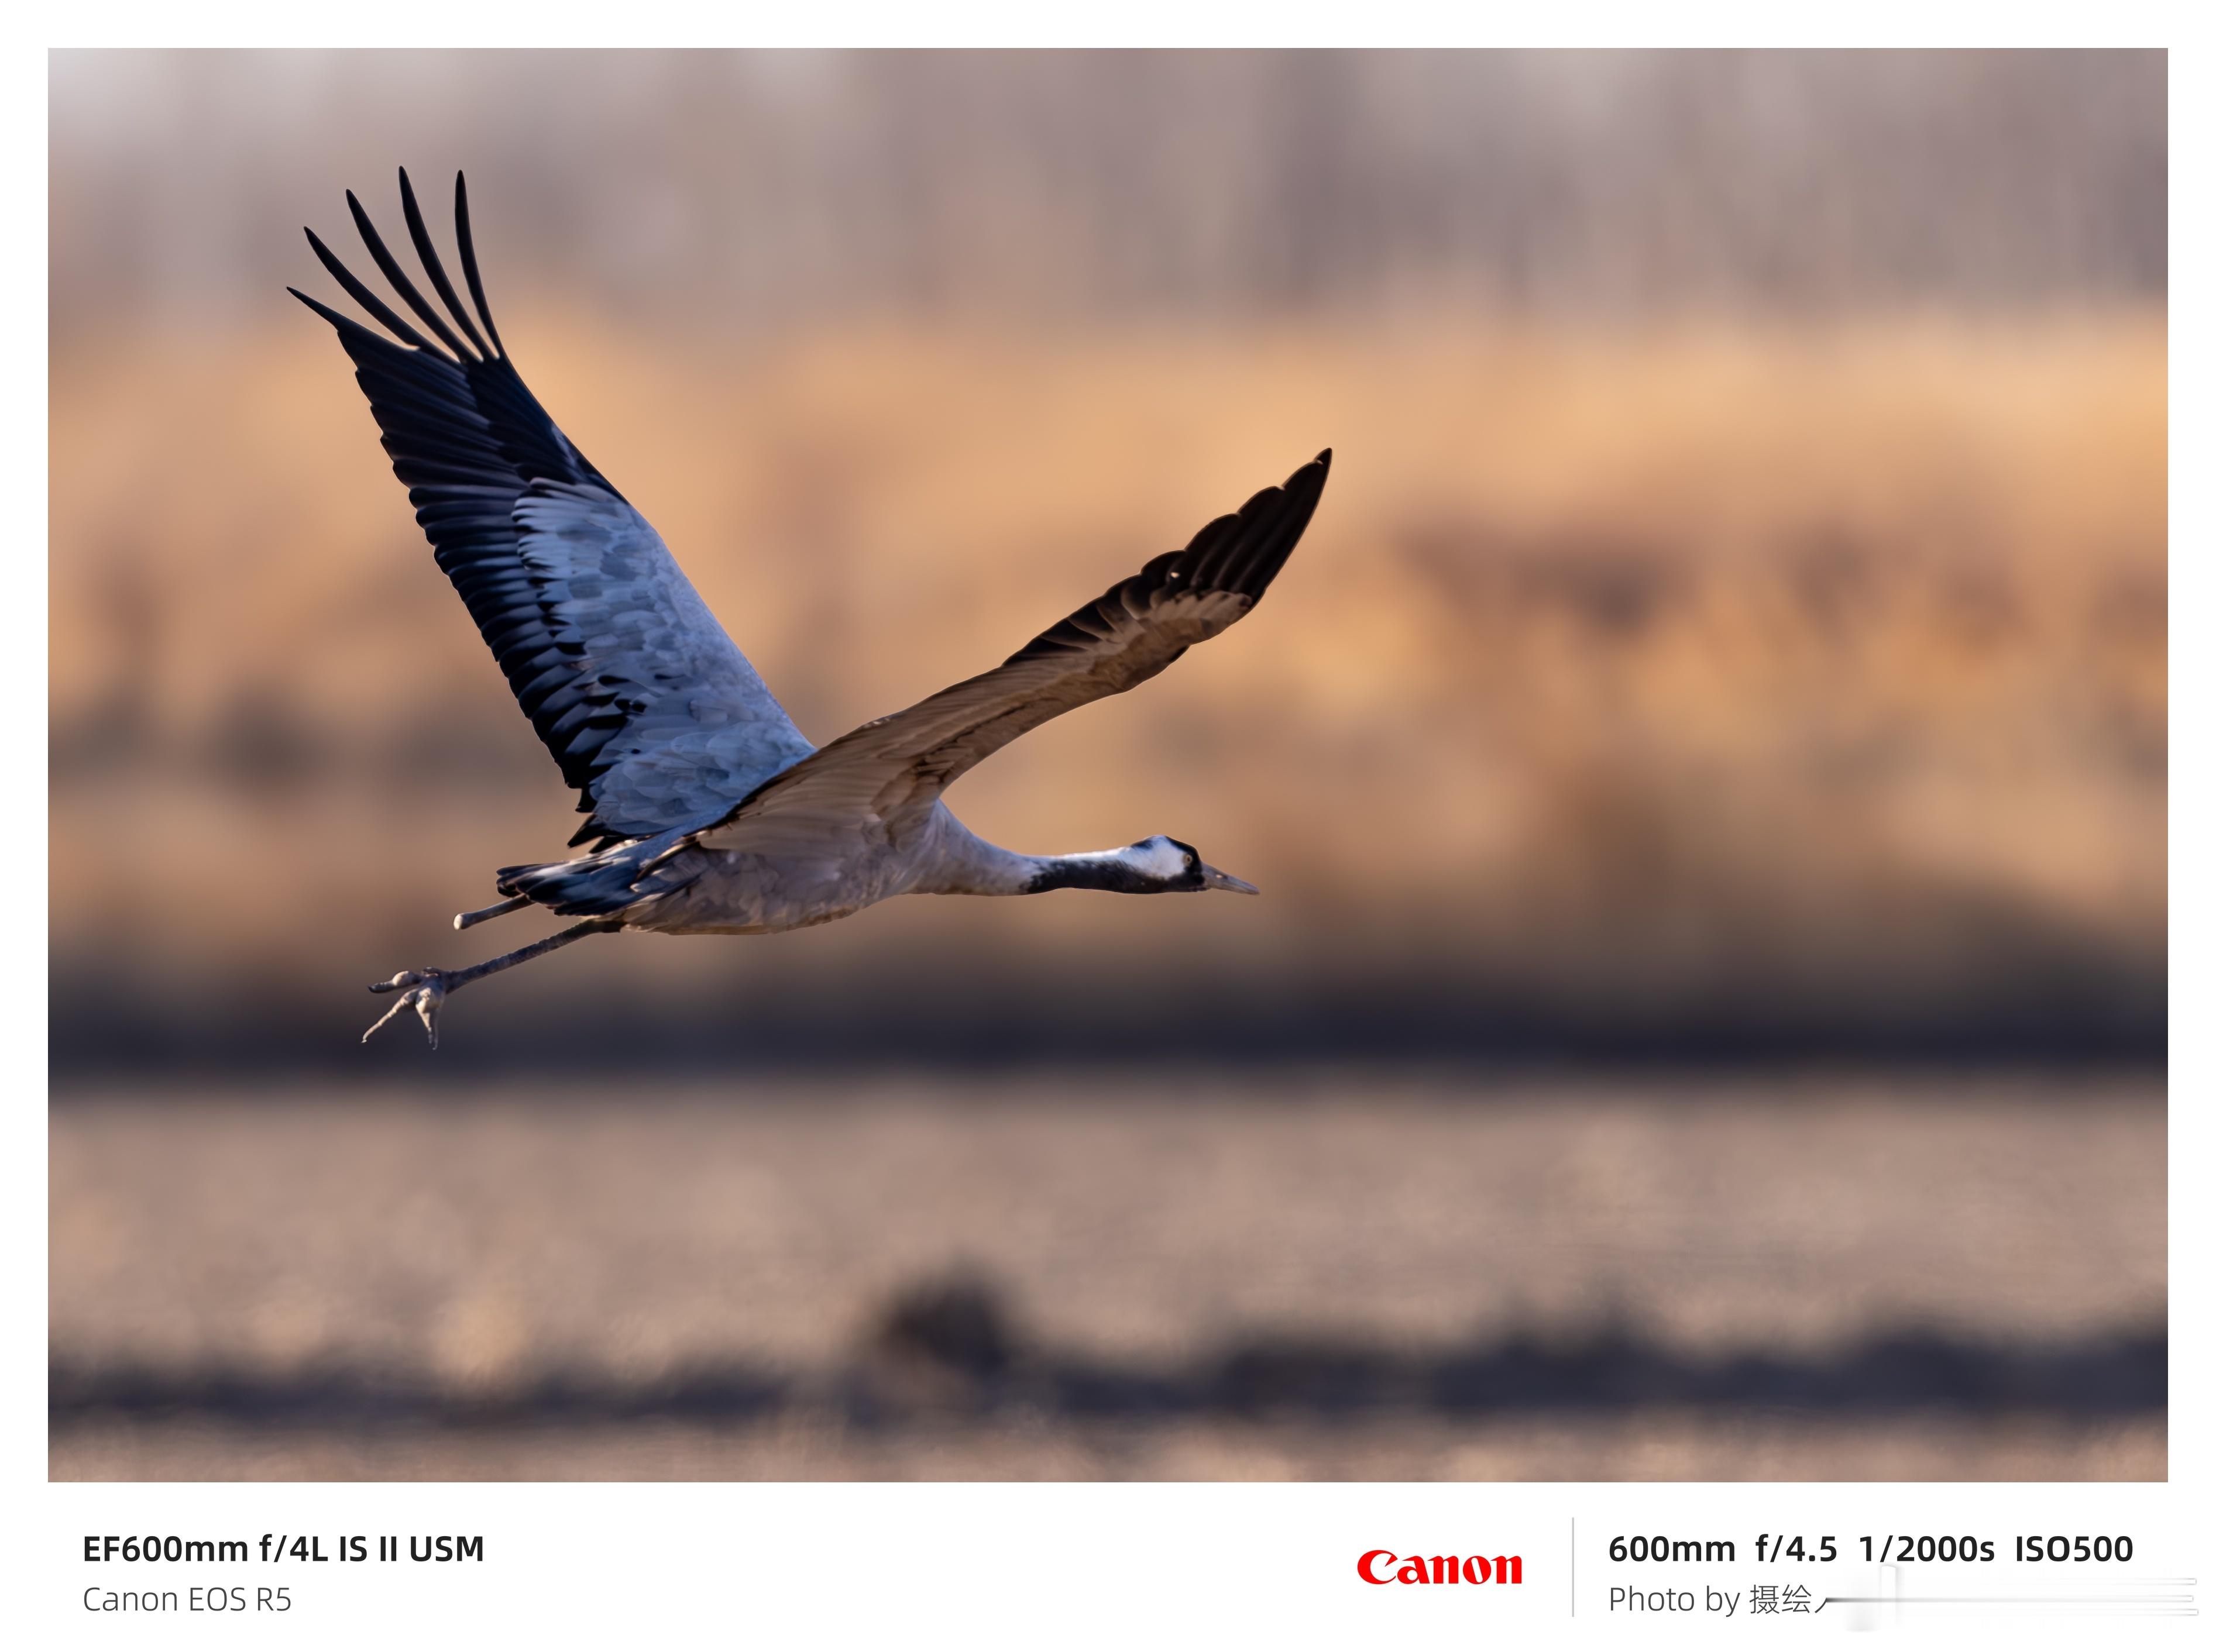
x,y
394,273
321,309
368,300
1243,553
351,332
427,251
1240,553
470,261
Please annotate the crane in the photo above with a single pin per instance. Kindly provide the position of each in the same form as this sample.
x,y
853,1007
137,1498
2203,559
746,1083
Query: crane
x,y
708,812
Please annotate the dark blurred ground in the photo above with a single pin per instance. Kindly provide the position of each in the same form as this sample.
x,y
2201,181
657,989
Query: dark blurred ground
x,y
1172,1275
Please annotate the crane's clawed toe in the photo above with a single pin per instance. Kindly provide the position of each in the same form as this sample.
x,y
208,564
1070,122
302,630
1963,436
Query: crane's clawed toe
x,y
423,991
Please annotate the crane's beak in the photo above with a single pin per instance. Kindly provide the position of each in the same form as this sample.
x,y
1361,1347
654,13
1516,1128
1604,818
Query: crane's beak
x,y
1217,880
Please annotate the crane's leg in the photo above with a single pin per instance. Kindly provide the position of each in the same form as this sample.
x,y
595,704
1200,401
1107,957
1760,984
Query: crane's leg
x,y
424,991
514,903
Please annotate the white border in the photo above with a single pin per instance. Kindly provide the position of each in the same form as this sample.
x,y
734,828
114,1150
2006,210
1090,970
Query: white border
x,y
1088,1565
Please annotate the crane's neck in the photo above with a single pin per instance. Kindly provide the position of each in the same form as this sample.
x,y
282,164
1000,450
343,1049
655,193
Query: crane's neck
x,y
965,864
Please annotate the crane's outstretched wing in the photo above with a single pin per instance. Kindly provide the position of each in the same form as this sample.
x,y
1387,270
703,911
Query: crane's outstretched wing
x,y
885,776
650,708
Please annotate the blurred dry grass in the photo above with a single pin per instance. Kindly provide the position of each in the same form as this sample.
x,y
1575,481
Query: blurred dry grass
x,y
1662,665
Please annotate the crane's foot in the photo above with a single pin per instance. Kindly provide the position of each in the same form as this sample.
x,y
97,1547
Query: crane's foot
x,y
426,990
423,991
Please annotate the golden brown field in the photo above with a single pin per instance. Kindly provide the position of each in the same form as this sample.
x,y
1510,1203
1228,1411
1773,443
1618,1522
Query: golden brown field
x,y
1657,667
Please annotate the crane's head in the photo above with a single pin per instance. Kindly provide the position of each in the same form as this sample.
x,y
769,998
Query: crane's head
x,y
1153,866
1167,864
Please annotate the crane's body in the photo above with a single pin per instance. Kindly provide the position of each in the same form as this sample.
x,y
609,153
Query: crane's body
x,y
735,892
708,811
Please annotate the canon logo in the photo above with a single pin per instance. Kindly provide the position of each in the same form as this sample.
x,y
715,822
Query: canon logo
x,y
1383,1566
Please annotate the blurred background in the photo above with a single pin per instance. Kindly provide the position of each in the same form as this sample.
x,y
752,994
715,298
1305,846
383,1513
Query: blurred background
x,y
1706,763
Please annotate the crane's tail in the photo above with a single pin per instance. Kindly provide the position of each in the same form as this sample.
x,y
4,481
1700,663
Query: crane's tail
x,y
602,884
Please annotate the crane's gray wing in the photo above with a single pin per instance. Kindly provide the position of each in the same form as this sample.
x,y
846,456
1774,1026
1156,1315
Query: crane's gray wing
x,y
647,706
882,779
